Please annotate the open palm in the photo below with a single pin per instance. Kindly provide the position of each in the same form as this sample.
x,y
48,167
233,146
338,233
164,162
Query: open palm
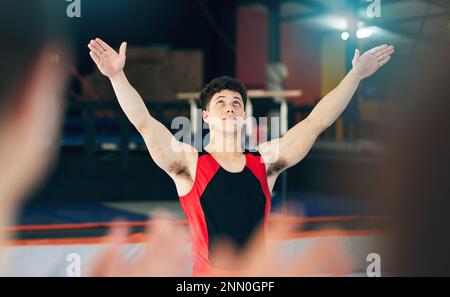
x,y
108,61
368,63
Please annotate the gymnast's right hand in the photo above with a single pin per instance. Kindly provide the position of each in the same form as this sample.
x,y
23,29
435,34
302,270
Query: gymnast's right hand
x,y
108,61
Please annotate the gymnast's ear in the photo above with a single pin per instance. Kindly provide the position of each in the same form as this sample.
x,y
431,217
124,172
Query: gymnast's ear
x,y
205,115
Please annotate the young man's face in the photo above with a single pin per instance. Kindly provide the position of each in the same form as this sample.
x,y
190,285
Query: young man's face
x,y
225,112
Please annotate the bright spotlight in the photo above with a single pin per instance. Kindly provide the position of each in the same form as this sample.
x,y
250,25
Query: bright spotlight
x,y
364,33
345,35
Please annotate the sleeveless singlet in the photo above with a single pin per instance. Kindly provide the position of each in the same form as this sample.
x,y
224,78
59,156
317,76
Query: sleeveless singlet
x,y
225,205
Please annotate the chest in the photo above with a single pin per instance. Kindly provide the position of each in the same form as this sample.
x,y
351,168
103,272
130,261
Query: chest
x,y
231,164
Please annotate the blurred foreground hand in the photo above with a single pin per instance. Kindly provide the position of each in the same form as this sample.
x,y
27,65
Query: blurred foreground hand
x,y
29,129
167,255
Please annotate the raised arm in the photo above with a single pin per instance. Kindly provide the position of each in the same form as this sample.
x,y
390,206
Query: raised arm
x,y
168,153
292,147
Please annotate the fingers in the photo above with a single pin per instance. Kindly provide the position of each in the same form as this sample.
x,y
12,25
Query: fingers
x,y
166,255
95,47
384,61
382,53
224,255
257,258
356,56
102,44
103,263
326,256
385,53
382,50
94,57
95,50
118,233
376,50
157,225
287,224
108,262
123,49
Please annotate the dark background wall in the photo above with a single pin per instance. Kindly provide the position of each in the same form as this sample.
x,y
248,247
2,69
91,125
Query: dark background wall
x,y
178,24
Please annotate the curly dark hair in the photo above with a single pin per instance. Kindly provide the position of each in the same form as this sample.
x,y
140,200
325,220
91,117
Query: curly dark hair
x,y
220,84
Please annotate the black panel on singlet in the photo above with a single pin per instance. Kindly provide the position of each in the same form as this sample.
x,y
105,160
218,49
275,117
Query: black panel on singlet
x,y
233,205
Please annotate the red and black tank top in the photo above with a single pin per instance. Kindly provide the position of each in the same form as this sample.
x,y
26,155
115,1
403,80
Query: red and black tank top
x,y
225,205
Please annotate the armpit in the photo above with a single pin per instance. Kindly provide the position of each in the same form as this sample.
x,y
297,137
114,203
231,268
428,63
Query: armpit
x,y
180,170
276,167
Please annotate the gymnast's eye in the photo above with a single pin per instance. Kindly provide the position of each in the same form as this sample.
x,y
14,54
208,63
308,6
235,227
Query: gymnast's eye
x,y
237,103
220,102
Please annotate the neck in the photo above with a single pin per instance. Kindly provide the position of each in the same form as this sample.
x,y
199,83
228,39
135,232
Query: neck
x,y
221,142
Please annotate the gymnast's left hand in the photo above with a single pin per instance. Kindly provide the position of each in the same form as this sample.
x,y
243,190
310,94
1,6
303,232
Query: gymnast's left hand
x,y
368,63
